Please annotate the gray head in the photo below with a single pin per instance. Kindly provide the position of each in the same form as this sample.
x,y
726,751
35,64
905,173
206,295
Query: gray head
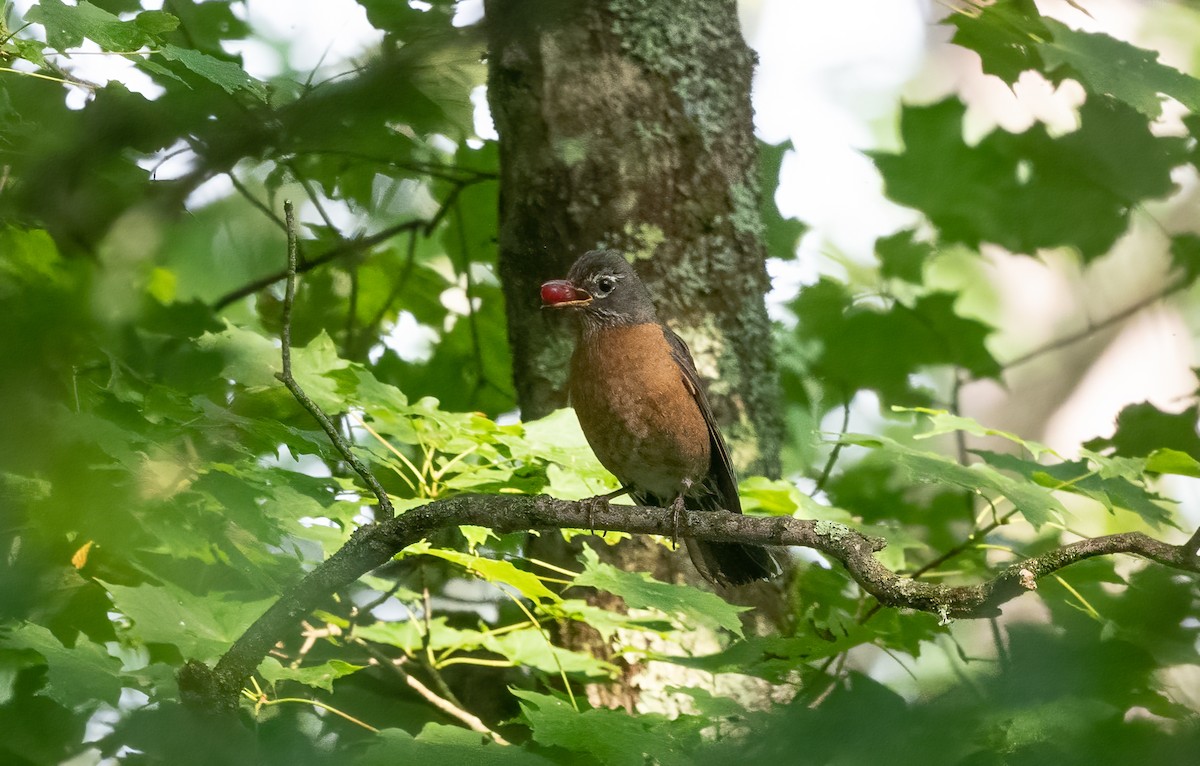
x,y
604,289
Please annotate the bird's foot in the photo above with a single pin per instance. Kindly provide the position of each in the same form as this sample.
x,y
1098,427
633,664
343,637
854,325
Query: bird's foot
x,y
676,511
599,504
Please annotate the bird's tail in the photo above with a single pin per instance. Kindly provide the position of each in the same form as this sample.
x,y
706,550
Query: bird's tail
x,y
731,563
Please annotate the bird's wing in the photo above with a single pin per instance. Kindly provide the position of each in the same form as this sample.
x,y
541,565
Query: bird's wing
x,y
720,470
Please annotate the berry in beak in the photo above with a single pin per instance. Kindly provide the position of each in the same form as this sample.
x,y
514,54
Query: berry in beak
x,y
560,293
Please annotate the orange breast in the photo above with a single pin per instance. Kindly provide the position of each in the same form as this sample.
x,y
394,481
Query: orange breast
x,y
637,412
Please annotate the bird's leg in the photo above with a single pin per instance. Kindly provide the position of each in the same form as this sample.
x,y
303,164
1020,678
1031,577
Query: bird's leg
x,y
677,510
600,503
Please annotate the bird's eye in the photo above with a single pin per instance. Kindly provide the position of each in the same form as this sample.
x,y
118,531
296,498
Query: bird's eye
x,y
605,285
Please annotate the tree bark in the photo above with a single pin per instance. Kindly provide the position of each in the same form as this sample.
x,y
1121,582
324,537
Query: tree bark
x,y
627,124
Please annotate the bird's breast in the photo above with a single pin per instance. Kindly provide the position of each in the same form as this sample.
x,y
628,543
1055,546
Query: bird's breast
x,y
637,411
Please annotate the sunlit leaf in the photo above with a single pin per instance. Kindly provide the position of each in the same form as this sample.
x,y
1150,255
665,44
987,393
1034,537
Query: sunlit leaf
x,y
317,676
1173,461
1035,503
943,422
1012,37
66,26
498,572
640,591
230,77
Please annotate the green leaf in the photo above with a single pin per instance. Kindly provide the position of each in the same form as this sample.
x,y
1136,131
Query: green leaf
x,y
605,621
497,572
783,498
251,359
772,658
17,491
66,26
440,743
476,536
202,627
1078,477
1034,503
409,635
640,591
532,648
1064,717
156,22
1173,462
30,50
612,737
28,258
313,366
1030,190
1011,37
1005,35
317,676
1143,429
782,235
1185,255
1111,67
943,422
901,256
79,677
865,348
225,74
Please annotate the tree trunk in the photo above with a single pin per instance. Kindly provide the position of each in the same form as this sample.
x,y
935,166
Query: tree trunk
x,y
627,124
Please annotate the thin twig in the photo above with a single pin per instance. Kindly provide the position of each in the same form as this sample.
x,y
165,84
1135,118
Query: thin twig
x,y
313,197
451,173
833,684
971,541
371,605
368,329
837,449
351,314
471,721
472,322
345,248
1094,327
386,510
256,202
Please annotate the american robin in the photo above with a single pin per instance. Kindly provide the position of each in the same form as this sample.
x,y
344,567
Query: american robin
x,y
639,400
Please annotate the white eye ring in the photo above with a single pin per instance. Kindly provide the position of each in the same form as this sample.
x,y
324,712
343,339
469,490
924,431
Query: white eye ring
x,y
605,285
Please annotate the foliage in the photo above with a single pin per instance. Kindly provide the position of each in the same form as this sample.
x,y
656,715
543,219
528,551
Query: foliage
x,y
160,488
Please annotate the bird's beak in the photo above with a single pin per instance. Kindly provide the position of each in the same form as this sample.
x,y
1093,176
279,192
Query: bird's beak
x,y
561,294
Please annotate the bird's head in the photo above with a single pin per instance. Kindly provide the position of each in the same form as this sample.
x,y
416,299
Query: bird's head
x,y
604,289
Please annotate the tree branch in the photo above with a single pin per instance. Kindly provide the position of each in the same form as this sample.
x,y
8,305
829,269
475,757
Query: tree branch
x,y
1094,327
349,247
386,511
448,707
374,545
423,226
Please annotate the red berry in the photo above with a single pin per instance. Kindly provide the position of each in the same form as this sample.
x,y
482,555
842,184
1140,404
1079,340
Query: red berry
x,y
557,291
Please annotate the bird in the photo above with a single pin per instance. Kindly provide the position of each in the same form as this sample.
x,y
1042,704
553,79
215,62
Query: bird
x,y
641,405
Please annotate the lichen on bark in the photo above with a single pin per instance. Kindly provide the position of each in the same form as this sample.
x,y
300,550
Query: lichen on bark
x,y
627,124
